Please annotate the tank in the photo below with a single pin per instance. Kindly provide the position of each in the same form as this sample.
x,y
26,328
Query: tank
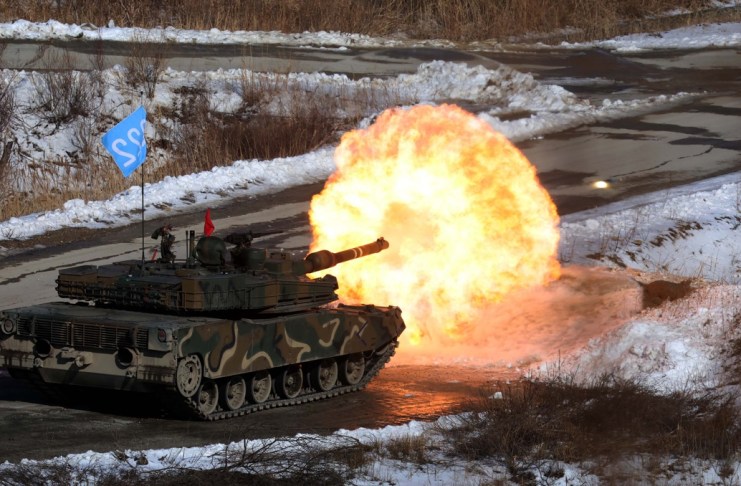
x,y
224,332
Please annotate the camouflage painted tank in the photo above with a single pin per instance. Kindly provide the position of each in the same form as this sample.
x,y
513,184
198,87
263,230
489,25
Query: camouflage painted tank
x,y
223,333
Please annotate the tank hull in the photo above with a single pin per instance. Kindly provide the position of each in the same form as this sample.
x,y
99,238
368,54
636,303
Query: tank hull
x,y
214,367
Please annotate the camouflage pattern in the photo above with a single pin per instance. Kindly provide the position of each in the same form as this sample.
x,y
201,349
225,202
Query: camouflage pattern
x,y
108,348
256,280
224,338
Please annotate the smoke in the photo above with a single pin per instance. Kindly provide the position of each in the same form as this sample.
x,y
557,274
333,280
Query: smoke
x,y
540,323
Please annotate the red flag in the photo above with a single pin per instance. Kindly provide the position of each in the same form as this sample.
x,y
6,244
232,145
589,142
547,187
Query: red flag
x,y
208,226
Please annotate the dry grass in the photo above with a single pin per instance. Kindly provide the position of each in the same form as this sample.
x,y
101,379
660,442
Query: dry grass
x,y
534,424
8,119
463,20
203,138
408,448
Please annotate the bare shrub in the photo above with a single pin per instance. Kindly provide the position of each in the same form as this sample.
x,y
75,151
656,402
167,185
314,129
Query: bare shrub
x,y
43,474
47,184
193,103
301,460
62,95
255,90
217,477
98,63
144,66
191,136
8,119
266,136
85,138
469,20
7,105
535,423
521,430
204,138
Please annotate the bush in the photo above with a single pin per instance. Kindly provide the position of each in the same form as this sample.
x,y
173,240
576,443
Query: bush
x,y
536,423
63,94
144,66
204,138
7,120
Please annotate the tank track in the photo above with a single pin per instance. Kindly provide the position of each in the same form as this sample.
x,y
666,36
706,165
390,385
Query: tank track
x,y
190,407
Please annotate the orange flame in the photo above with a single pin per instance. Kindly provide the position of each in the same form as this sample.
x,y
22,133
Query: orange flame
x,y
462,208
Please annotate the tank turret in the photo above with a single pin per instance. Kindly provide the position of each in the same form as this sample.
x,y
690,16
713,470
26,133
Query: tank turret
x,y
213,278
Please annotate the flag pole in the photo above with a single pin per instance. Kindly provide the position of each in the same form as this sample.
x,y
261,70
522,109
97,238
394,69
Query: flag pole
x,y
144,141
142,166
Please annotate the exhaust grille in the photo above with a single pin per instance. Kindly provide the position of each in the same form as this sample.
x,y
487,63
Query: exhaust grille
x,y
80,336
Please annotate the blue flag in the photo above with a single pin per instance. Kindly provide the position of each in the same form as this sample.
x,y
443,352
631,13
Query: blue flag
x,y
126,143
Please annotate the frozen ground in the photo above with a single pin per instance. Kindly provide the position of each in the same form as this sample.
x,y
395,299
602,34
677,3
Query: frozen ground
x,y
691,232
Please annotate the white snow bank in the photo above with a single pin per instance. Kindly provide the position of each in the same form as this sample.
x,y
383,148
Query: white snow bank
x,y
695,37
674,347
52,29
692,231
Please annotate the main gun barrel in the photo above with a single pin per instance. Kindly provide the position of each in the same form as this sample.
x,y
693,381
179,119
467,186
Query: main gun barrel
x,y
323,259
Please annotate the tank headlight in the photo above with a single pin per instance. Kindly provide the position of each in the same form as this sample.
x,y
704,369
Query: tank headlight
x,y
8,326
160,339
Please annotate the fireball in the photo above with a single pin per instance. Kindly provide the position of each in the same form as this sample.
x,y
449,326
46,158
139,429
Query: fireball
x,y
462,208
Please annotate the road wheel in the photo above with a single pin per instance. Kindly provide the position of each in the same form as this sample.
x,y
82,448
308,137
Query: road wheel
x,y
208,397
352,369
324,375
188,375
233,393
290,381
259,386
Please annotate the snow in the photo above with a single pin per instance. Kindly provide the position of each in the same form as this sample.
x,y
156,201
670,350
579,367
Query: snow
x,y
676,347
690,230
52,29
695,229
714,35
